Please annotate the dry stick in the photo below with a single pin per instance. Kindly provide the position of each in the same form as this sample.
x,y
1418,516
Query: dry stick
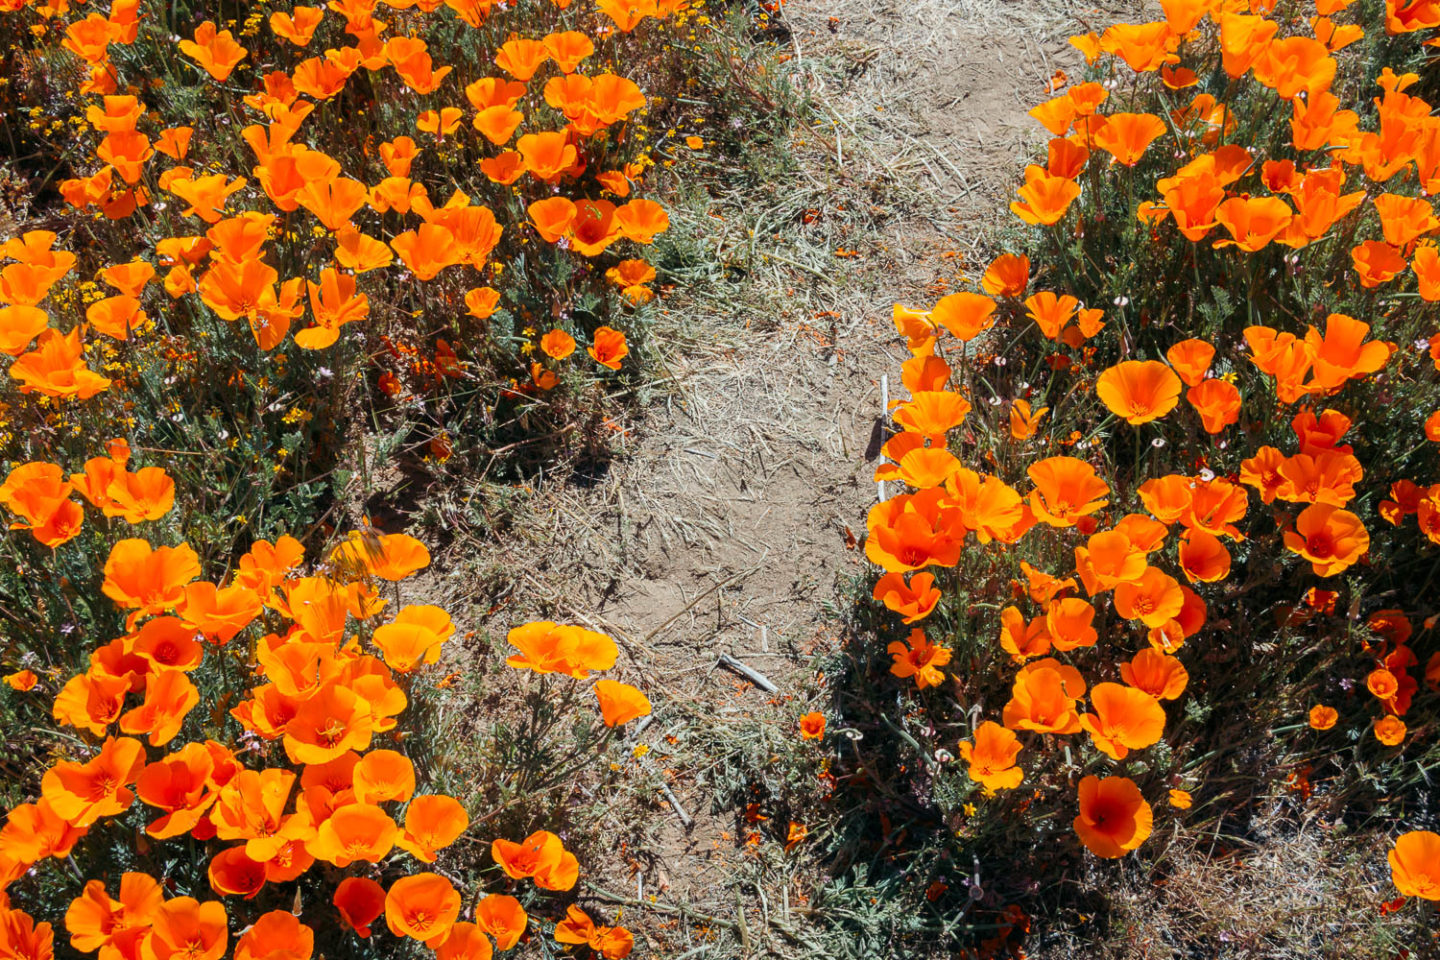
x,y
673,909
749,673
884,411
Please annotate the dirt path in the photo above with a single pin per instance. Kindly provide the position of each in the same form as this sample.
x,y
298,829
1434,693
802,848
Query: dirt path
x,y
728,525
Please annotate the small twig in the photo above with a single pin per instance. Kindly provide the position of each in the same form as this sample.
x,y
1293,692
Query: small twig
x,y
749,673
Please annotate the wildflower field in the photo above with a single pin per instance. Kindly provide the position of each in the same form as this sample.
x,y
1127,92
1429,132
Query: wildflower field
x,y
605,478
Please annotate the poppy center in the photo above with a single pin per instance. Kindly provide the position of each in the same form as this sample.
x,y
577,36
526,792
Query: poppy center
x,y
1321,545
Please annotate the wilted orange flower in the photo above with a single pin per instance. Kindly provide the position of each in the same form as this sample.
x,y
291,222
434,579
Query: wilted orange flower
x,y
1114,818
991,757
917,657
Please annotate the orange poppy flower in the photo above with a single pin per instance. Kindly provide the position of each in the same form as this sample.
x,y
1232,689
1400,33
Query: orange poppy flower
x,y
334,720
1191,360
1203,557
21,681
914,600
1043,698
1332,539
1154,599
1021,640
1214,506
82,793
169,698
219,613
276,934
521,58
19,325
466,941
640,220
1070,624
619,702
96,921
1126,136
1295,65
1044,199
35,831
91,701
608,348
356,831
1139,390
55,368
428,250
913,531
1217,402
1252,222
503,918
932,413
917,657
1125,719
812,726
966,315
215,51
1066,489
1158,675
1023,420
1050,312
1114,818
547,647
547,156
298,26
1415,864
382,775
360,902
414,641
185,928
1343,353
991,757
540,856
1390,730
181,786
1007,275
557,344
432,823
233,874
